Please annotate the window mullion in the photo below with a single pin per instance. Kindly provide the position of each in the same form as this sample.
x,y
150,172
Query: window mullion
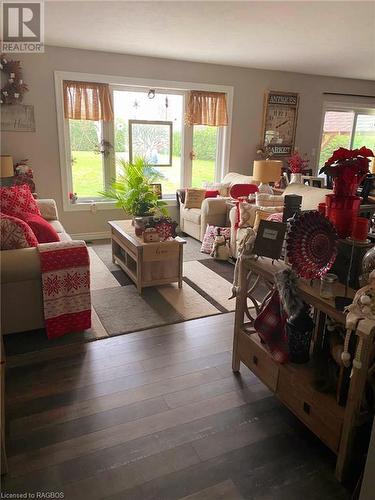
x,y
352,134
186,149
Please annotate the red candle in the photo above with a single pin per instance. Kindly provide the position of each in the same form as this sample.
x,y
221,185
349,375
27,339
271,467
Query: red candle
x,y
360,229
322,208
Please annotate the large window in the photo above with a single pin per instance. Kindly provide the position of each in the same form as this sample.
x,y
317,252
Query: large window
x,y
91,151
143,105
347,128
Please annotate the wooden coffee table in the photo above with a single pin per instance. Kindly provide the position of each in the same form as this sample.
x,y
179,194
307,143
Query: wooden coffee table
x,y
147,264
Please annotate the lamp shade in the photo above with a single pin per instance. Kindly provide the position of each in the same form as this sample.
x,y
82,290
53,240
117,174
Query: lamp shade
x,y
6,166
372,166
267,170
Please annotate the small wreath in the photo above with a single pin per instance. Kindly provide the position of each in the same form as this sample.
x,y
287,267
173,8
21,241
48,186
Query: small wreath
x,y
13,90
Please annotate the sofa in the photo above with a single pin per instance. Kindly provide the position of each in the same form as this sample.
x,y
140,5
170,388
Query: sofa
x,y
213,211
21,284
311,197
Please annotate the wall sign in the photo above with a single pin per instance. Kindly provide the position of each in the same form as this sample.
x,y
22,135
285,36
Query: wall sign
x,y
17,118
279,122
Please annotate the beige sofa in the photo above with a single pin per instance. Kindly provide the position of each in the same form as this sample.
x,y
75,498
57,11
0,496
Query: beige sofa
x,y
213,211
21,285
311,197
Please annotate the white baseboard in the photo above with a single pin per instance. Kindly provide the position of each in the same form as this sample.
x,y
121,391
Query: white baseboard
x,y
91,236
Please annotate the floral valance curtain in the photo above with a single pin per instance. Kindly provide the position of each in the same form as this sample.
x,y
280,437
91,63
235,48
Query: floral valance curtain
x,y
207,108
87,101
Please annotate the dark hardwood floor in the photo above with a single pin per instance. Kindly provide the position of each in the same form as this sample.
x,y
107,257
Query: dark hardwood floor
x,y
156,414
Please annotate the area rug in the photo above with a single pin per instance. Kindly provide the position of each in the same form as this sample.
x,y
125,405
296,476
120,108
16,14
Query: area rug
x,y
118,308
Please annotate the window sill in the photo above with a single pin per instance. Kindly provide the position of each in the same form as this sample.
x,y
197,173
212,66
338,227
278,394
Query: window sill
x,y
94,206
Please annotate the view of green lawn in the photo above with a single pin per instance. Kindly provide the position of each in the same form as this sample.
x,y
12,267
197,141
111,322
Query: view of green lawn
x,y
88,174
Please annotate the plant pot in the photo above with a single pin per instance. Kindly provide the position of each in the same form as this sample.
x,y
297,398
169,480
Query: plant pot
x,y
341,188
140,222
295,178
342,211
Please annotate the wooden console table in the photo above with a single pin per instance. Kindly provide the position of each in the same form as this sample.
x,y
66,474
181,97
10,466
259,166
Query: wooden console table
x,y
147,264
334,422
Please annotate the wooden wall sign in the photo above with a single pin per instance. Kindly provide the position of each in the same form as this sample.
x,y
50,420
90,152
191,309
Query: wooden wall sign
x,y
280,121
17,118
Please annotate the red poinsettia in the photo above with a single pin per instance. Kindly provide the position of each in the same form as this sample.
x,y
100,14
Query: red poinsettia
x,y
348,167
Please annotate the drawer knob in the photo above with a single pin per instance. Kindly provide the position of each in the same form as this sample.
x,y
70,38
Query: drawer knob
x,y
306,408
255,360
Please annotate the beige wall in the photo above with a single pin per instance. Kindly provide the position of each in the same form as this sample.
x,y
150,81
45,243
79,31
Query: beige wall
x,y
42,147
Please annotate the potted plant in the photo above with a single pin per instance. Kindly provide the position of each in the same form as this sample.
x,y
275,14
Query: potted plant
x,y
133,193
348,167
297,166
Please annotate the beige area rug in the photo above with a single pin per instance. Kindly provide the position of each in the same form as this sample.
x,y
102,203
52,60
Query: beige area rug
x,y
118,309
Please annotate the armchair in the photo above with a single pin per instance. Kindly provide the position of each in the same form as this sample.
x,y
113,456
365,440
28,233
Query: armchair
x,y
213,211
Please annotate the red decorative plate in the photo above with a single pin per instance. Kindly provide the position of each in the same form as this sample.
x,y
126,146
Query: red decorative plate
x,y
311,245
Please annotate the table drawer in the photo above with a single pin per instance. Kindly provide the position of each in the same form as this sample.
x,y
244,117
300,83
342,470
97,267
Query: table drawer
x,y
301,402
258,360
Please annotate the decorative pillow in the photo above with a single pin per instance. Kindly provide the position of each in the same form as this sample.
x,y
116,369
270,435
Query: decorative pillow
x,y
247,212
43,230
214,193
222,187
209,237
269,200
16,200
263,213
15,233
194,197
278,217
238,190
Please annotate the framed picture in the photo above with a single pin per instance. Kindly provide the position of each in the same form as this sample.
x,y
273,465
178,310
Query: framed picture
x,y
313,181
17,118
279,122
270,238
151,140
157,190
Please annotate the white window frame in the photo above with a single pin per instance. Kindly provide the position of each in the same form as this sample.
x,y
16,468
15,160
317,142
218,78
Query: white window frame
x,y
222,160
340,106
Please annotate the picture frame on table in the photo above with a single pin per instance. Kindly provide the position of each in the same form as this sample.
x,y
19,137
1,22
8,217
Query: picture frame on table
x,y
269,239
157,189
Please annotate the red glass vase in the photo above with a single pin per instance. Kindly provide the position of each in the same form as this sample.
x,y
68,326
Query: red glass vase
x,y
342,211
342,188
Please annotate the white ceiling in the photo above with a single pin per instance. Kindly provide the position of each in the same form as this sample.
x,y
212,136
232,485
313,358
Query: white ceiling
x,y
324,38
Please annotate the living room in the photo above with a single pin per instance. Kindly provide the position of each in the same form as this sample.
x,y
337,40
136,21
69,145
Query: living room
x,y
157,159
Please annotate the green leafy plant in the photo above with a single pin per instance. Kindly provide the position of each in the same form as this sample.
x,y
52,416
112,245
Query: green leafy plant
x,y
132,189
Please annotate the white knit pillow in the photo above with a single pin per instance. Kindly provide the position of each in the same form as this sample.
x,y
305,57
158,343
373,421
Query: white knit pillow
x,y
268,200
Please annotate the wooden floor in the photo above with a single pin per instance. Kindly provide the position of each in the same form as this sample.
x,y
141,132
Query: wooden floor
x,y
157,414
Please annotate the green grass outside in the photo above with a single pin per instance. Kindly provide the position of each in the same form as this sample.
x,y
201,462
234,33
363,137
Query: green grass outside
x,y
88,174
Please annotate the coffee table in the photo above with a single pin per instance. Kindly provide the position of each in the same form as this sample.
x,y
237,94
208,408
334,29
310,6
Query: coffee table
x,y
147,264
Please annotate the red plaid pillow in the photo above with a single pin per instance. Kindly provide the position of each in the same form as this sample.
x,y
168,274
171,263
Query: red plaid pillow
x,y
270,325
15,233
16,200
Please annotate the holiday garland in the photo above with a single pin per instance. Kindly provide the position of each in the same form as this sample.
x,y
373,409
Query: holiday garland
x,y
14,88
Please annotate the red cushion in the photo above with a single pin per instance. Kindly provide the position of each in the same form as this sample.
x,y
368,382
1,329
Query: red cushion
x,y
15,233
44,232
238,190
17,200
212,193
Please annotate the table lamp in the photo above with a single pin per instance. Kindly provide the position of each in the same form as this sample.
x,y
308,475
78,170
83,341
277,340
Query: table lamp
x,y
266,171
6,169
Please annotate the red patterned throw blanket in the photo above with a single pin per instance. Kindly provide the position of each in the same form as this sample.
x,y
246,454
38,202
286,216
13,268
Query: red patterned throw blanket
x,y
65,270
